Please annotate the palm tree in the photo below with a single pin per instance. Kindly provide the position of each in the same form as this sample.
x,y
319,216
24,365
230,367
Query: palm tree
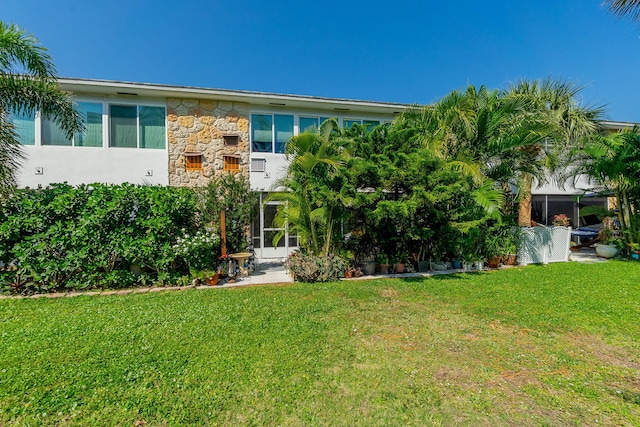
x,y
28,83
613,160
310,207
625,8
562,122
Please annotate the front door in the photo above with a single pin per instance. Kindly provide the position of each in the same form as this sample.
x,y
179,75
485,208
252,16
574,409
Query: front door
x,y
264,231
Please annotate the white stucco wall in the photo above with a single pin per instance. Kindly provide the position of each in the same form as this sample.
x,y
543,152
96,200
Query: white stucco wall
x,y
579,186
82,165
275,167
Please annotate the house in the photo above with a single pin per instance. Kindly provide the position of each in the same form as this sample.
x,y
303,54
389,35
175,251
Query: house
x,y
183,136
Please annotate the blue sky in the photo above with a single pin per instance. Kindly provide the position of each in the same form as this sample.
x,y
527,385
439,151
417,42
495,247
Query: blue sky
x,y
399,51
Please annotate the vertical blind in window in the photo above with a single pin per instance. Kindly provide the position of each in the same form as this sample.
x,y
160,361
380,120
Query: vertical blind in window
x,y
152,133
52,134
24,125
123,126
92,135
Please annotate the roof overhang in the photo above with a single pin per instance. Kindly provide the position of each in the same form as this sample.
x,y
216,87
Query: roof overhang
x,y
151,90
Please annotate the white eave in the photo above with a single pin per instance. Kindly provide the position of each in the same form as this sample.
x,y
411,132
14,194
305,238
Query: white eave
x,y
151,90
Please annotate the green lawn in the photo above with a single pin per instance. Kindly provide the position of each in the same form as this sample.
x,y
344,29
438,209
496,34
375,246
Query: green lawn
x,y
555,345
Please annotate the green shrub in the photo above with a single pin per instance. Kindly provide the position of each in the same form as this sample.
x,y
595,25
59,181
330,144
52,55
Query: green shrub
x,y
63,237
311,268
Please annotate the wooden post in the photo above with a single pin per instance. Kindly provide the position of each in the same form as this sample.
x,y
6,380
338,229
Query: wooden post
x,y
223,231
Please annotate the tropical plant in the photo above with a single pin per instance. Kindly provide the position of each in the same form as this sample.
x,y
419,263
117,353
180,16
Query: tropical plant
x,y
559,122
231,193
630,8
312,201
28,83
613,161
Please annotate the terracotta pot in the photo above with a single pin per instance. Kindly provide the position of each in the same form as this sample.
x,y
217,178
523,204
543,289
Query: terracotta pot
x,y
494,262
400,267
384,268
213,280
348,274
510,259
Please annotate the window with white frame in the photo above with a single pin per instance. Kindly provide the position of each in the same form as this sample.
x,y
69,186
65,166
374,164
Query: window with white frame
x,y
270,132
136,126
91,113
308,123
369,124
24,126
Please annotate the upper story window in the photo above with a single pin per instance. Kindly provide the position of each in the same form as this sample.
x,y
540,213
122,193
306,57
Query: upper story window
x,y
369,124
91,113
309,123
137,126
270,132
24,125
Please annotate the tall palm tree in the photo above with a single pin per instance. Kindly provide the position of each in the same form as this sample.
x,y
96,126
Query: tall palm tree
x,y
28,83
629,8
555,105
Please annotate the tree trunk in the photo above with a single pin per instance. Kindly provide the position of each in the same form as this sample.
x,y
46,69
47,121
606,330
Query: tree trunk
x,y
524,209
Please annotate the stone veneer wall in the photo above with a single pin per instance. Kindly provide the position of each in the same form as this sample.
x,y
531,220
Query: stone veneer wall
x,y
199,125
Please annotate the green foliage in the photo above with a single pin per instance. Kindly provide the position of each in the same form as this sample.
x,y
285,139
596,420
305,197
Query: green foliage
x,y
614,161
312,268
28,83
200,250
231,193
63,237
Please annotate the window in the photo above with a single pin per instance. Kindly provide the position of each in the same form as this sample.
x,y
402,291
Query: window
x,y
232,163
309,123
270,132
25,127
261,133
133,126
369,124
230,139
91,112
193,162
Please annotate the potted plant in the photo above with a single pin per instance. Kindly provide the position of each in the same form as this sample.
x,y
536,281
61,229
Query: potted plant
x,y
493,247
401,262
383,262
208,277
607,247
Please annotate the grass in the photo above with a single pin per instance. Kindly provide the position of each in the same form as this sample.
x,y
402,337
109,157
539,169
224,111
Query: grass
x,y
555,345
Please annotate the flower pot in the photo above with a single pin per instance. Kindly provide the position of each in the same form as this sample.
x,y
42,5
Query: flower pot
x,y
423,265
438,266
510,259
457,264
348,274
384,268
606,251
467,266
479,265
212,280
369,267
494,262
400,267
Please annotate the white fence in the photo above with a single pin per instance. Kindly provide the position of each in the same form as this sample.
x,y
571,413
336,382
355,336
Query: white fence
x,y
542,245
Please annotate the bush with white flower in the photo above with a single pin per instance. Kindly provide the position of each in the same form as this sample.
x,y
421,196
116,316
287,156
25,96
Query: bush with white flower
x,y
200,251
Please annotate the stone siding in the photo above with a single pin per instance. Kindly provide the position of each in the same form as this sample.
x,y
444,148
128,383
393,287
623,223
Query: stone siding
x,y
199,126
